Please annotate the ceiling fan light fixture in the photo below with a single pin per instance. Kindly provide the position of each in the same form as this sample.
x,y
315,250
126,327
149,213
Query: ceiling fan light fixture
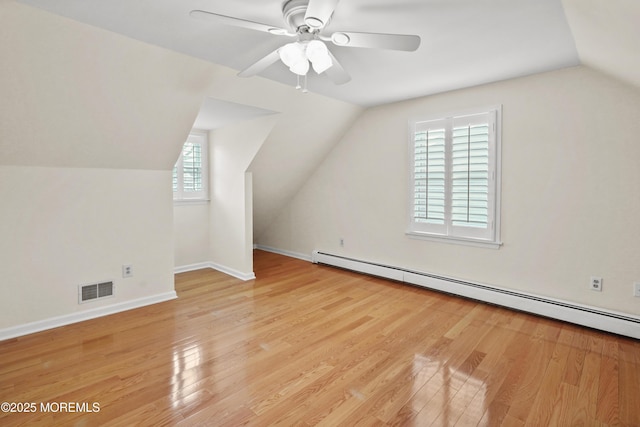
x,y
322,65
318,54
300,68
316,50
292,53
298,56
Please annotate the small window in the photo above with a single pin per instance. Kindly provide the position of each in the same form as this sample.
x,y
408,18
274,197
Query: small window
x,y
190,173
455,178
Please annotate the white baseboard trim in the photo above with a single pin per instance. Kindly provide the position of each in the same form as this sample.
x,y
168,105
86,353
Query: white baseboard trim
x,y
191,267
226,270
592,317
290,254
232,272
67,319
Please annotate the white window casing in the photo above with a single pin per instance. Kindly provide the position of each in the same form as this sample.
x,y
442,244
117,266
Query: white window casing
x,y
190,173
454,192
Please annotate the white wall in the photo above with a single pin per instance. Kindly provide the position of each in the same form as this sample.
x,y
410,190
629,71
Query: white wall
x,y
191,234
607,36
64,227
112,110
232,149
90,125
77,96
570,188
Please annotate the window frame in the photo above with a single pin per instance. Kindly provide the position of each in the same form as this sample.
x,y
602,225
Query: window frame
x,y
448,232
181,196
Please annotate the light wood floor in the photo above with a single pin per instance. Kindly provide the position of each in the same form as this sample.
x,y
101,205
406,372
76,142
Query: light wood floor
x,y
312,345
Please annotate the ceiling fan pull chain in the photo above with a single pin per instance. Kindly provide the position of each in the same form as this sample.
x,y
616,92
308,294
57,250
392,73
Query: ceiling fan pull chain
x,y
298,82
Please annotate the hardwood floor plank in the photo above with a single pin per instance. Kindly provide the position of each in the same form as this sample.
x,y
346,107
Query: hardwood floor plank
x,y
588,390
530,356
547,401
608,388
305,345
629,393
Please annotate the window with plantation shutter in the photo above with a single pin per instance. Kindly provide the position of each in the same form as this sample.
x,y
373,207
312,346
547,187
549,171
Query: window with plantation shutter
x,y
454,180
190,171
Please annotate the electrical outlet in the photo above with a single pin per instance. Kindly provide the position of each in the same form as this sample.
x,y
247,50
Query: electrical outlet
x,y
636,289
127,271
596,284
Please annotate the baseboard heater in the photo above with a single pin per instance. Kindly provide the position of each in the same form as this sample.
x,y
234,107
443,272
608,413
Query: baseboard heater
x,y
609,321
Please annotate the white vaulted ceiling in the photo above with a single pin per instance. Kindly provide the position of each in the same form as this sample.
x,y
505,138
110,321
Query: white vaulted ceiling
x,y
464,42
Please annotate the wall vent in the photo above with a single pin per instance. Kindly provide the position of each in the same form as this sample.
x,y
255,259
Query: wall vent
x,y
95,291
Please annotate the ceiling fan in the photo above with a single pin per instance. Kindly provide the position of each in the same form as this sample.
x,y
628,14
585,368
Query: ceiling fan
x,y
306,21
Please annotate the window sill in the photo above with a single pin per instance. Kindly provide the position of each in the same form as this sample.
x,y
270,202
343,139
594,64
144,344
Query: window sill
x,y
190,202
453,240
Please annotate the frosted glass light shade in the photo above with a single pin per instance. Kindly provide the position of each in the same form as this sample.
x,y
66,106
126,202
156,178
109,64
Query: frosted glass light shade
x,y
318,54
292,53
322,64
316,50
300,68
297,55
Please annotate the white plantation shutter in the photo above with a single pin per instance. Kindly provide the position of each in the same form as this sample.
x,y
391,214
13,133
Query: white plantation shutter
x,y
175,180
453,178
192,167
429,166
471,176
190,171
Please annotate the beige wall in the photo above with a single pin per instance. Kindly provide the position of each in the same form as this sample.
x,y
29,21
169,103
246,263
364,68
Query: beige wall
x,y
77,96
570,185
231,219
81,230
191,234
81,104
90,126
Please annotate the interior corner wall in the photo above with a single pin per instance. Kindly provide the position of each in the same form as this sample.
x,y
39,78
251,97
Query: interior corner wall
x,y
248,217
65,227
232,148
570,180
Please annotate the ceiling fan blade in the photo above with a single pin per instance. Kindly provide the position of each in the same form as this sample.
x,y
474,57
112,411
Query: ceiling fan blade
x,y
336,73
260,65
235,22
319,12
403,42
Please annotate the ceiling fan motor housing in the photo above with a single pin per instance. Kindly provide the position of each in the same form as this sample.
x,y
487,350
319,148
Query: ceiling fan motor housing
x,y
294,12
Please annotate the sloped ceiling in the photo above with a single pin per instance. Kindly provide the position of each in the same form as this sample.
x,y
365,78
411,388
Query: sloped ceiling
x,y
74,95
77,96
215,114
52,106
464,42
607,35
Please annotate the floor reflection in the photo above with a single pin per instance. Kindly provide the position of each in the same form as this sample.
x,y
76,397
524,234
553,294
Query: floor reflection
x,y
185,374
448,392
